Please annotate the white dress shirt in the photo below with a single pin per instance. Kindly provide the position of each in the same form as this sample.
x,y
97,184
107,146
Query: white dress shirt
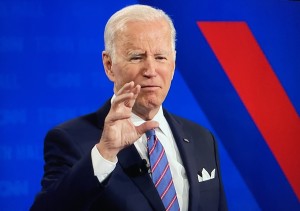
x,y
103,167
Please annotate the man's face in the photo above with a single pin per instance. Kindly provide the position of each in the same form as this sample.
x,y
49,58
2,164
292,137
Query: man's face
x,y
144,54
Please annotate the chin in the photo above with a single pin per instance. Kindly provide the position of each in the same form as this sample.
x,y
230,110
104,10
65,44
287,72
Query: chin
x,y
149,103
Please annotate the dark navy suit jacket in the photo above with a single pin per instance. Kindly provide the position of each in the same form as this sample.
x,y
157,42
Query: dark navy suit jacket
x,y
69,182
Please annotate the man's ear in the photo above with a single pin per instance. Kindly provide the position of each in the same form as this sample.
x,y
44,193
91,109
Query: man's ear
x,y
107,63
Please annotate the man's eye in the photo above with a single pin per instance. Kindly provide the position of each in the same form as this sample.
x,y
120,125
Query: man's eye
x,y
135,58
161,58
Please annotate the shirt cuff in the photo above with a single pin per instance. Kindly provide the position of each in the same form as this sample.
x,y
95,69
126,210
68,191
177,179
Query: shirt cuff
x,y
102,167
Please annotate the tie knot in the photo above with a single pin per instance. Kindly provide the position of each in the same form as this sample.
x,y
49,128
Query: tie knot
x,y
150,133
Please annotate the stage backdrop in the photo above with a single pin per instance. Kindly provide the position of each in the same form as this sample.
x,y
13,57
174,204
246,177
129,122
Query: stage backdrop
x,y
238,74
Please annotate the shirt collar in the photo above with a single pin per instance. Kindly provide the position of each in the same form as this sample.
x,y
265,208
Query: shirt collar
x,y
159,117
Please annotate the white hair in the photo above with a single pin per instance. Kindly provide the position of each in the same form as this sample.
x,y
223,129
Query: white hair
x,y
137,12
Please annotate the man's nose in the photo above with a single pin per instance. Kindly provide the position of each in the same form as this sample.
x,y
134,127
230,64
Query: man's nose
x,y
149,68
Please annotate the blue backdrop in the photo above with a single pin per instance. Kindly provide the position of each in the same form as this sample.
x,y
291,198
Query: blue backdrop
x,y
51,71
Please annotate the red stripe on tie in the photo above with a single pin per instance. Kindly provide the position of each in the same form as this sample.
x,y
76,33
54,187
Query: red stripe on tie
x,y
171,203
162,175
158,160
154,145
167,189
260,90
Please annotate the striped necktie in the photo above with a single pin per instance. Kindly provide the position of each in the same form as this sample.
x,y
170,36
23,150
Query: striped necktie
x,y
161,174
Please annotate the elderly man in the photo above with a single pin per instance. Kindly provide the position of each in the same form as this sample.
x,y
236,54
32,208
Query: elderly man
x,y
132,154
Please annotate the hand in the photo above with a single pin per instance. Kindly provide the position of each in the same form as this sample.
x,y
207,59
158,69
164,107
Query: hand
x,y
119,132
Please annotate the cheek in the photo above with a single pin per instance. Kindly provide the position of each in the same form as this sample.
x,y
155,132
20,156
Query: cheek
x,y
123,77
119,74
168,79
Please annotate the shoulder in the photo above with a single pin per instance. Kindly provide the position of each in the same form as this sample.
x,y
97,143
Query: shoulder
x,y
87,120
80,128
76,125
76,135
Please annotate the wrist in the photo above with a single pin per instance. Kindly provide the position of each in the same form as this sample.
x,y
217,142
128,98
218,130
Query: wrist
x,y
106,153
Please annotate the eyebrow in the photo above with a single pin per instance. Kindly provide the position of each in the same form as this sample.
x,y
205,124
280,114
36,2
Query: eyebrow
x,y
135,52
142,52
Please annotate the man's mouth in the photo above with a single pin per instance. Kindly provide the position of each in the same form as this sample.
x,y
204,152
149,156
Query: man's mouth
x,y
149,87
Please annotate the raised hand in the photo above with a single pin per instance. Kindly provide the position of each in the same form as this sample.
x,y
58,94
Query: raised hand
x,y
119,132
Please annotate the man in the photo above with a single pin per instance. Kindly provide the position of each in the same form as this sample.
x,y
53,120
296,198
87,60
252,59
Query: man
x,y
100,161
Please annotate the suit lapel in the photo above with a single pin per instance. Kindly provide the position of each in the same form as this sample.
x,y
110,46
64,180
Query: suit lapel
x,y
130,160
186,149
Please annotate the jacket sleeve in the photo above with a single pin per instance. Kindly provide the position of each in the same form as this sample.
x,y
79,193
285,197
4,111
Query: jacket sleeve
x,y
68,182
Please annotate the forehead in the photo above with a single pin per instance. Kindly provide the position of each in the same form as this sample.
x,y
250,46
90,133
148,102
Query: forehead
x,y
138,34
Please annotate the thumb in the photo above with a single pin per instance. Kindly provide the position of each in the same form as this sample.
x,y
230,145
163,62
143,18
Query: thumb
x,y
141,129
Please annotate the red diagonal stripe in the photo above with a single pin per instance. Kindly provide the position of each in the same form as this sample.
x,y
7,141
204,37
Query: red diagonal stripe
x,y
158,160
167,189
171,203
261,92
162,175
154,145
